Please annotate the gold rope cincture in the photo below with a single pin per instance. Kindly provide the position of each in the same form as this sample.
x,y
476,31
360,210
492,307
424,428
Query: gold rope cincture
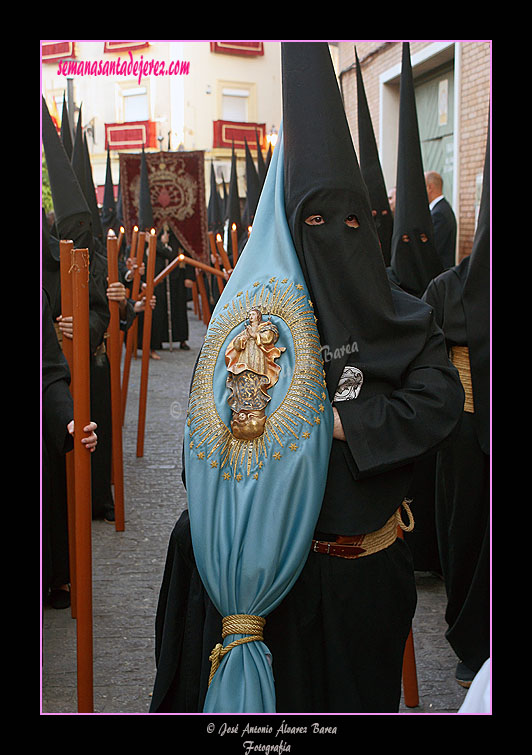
x,y
241,623
460,359
405,527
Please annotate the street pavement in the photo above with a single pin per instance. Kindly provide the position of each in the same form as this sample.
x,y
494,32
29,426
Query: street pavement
x,y
128,568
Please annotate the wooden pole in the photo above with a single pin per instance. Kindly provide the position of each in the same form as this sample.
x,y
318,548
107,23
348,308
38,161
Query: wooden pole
x,y
234,243
223,253
113,343
204,298
65,252
140,252
131,340
214,254
82,477
410,686
120,239
146,338
195,299
189,261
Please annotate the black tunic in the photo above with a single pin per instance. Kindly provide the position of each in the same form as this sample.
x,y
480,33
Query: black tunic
x,y
171,299
462,499
337,640
57,412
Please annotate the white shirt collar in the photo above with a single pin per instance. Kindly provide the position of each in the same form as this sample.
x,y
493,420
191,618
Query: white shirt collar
x,y
435,201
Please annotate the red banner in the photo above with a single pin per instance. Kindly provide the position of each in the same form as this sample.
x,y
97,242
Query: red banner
x,y
130,135
225,132
124,46
238,48
53,51
177,192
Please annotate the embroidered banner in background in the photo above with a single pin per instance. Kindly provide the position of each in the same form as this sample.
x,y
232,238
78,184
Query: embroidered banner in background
x,y
177,192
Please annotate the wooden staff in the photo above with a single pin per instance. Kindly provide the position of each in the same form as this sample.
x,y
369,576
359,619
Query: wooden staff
x,y
65,252
189,261
223,253
120,239
114,351
214,254
195,298
134,240
206,310
410,686
131,340
82,477
234,243
146,338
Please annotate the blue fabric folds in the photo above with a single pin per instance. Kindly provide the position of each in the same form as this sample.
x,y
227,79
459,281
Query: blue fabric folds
x,y
253,503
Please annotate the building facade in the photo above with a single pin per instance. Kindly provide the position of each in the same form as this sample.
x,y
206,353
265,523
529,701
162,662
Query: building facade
x,y
206,95
452,80
166,95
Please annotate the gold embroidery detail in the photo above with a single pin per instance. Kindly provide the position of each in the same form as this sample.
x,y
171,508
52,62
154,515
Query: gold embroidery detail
x,y
300,402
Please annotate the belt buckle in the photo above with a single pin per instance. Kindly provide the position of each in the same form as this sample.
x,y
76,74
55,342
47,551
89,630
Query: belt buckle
x,y
319,542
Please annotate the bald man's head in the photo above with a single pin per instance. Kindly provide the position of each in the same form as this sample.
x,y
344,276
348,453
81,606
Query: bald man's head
x,y
434,184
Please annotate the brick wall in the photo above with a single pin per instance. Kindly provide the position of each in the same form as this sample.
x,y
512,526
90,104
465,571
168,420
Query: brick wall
x,y
474,113
377,57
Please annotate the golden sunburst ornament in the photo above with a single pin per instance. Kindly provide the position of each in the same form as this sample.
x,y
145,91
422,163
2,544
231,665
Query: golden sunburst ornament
x,y
297,409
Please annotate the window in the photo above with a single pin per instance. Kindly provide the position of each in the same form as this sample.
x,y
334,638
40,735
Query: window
x,y
135,104
235,105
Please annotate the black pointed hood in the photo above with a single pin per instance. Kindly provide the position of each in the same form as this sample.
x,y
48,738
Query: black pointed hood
x,y
50,269
476,300
358,312
66,130
91,194
261,165
233,200
145,208
72,214
78,155
252,189
108,217
119,206
225,200
268,156
214,209
371,170
415,261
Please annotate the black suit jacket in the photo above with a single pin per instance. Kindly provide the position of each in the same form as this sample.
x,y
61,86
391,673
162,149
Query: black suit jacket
x,y
444,223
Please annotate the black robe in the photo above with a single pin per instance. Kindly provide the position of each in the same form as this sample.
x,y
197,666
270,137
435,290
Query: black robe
x,y
462,499
175,299
337,640
57,412
100,397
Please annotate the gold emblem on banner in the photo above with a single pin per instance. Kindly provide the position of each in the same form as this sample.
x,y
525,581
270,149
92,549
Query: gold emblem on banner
x,y
248,439
173,191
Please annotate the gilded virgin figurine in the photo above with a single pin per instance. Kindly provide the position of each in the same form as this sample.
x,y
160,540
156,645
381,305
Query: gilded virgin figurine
x,y
250,360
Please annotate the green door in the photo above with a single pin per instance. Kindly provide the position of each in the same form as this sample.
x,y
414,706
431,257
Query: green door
x,y
435,112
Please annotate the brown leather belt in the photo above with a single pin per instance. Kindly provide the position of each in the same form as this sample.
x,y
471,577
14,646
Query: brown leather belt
x,y
460,359
356,546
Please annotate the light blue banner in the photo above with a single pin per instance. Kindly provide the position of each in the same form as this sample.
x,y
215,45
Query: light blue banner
x,y
255,487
